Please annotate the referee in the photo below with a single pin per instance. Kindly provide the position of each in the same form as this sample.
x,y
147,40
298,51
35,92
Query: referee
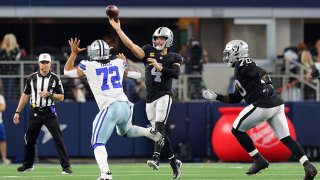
x,y
42,89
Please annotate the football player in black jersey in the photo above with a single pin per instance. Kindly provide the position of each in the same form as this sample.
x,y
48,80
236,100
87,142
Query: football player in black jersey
x,y
254,85
161,66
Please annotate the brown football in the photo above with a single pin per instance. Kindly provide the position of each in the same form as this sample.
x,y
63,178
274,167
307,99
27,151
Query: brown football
x,y
112,11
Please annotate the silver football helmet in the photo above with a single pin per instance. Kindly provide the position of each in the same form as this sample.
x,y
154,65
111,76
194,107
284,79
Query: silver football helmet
x,y
99,50
162,32
235,50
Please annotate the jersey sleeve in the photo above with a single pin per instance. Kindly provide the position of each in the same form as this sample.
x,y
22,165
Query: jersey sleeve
x,y
147,51
121,63
178,59
83,65
59,87
27,87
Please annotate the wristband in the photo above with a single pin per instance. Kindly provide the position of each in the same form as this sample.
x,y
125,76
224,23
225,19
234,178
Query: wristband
x,y
17,112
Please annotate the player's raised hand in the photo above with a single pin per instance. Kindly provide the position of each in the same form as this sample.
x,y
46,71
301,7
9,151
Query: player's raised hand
x,y
115,23
74,45
208,94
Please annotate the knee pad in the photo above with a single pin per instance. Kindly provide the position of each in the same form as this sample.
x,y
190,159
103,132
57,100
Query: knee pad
x,y
161,127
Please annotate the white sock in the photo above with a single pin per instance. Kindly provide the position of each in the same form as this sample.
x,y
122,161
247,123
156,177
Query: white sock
x,y
101,155
254,152
303,159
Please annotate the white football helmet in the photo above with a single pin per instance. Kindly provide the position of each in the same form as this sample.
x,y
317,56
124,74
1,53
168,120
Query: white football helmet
x,y
99,50
235,50
162,32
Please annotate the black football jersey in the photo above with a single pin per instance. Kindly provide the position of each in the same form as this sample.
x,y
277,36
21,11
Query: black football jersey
x,y
250,87
157,83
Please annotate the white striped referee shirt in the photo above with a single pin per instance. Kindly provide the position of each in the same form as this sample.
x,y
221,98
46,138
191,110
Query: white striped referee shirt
x,y
37,83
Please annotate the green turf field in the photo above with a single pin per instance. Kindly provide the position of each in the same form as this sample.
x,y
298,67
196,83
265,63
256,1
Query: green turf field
x,y
140,171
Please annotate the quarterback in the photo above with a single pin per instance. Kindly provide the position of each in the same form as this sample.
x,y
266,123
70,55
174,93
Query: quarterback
x,y
161,67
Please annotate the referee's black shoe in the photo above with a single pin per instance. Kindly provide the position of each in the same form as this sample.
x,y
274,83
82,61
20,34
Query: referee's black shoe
x,y
257,166
24,169
67,171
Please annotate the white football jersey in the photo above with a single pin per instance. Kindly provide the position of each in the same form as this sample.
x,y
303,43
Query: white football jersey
x,y
105,80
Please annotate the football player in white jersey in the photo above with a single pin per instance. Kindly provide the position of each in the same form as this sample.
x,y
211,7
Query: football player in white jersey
x,y
105,80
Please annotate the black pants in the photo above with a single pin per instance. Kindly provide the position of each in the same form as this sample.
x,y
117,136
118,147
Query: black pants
x,y
38,118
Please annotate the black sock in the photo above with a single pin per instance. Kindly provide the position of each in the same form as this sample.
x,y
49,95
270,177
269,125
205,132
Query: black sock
x,y
294,147
168,149
257,156
244,139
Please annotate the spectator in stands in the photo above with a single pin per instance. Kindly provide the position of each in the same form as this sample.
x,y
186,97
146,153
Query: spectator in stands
x,y
316,51
9,51
194,56
3,135
9,48
305,59
79,91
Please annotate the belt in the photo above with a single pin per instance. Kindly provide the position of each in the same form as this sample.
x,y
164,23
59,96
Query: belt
x,y
46,108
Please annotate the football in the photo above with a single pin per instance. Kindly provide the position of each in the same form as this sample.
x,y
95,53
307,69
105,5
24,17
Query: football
x,y
112,11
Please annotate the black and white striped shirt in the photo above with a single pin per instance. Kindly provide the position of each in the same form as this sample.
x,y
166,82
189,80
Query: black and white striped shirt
x,y
37,83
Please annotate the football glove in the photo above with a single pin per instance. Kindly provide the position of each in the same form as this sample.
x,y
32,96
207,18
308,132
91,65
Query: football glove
x,y
268,87
208,94
315,72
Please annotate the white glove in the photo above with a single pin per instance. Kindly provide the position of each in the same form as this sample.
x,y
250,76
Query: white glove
x,y
208,94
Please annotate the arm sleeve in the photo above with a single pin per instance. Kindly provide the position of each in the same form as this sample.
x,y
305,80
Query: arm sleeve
x,y
172,72
235,97
232,98
59,87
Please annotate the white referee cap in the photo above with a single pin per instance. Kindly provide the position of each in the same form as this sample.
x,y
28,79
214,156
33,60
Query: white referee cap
x,y
44,57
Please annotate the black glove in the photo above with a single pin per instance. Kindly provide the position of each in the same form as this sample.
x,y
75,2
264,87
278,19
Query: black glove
x,y
268,87
315,72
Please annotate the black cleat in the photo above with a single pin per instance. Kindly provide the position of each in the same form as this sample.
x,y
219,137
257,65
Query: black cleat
x,y
67,171
310,172
257,166
24,169
176,168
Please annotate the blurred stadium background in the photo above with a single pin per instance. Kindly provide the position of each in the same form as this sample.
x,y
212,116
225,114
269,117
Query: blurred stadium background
x,y
273,29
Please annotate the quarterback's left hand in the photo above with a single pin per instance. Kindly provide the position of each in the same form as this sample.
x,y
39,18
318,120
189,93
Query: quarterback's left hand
x,y
153,62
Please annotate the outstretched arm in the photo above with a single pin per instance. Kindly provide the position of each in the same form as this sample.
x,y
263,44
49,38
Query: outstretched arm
x,y
69,68
137,51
